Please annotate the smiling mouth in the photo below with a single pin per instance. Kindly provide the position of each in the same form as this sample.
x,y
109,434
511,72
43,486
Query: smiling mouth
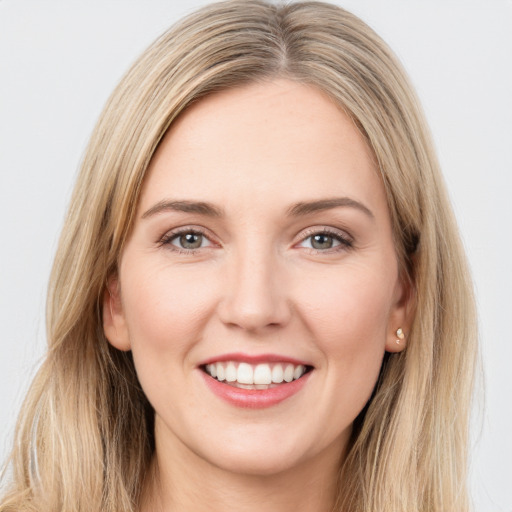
x,y
255,376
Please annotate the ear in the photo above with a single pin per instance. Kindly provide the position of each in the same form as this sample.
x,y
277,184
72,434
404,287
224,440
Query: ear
x,y
114,323
401,315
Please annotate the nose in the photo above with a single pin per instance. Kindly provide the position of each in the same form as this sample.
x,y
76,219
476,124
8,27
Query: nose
x,y
254,298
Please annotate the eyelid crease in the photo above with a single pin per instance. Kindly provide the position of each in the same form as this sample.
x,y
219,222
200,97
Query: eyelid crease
x,y
320,230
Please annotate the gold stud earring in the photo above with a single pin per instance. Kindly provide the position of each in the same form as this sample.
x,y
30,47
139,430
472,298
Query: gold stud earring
x,y
400,334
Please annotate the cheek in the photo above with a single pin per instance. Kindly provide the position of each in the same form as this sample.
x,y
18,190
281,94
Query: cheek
x,y
350,310
165,310
165,307
348,319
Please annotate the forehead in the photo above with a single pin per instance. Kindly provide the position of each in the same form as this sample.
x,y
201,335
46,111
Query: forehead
x,y
274,141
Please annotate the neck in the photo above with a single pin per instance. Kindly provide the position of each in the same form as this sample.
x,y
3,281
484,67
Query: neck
x,y
178,483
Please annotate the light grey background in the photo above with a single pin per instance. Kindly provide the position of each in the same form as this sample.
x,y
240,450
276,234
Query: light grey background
x,y
59,60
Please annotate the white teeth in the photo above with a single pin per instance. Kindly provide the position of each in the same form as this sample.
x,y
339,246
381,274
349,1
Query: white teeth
x,y
288,373
258,376
277,374
297,373
245,374
231,373
245,386
262,374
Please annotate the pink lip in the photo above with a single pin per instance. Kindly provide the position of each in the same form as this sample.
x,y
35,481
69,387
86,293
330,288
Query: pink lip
x,y
254,398
253,359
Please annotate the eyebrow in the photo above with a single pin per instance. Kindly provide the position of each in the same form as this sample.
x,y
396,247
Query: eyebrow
x,y
199,207
297,210
306,208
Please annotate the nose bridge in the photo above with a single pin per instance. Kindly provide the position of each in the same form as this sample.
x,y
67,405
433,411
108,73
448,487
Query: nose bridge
x,y
254,297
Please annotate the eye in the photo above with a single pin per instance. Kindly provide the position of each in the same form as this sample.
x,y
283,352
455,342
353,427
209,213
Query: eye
x,y
187,240
325,241
322,241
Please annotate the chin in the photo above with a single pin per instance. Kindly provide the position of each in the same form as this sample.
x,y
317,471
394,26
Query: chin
x,y
257,463
257,451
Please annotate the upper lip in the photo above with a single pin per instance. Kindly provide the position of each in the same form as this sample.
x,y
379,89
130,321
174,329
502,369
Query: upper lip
x,y
254,359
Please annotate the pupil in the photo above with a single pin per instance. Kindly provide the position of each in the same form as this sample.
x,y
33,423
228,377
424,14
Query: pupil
x,y
322,242
191,241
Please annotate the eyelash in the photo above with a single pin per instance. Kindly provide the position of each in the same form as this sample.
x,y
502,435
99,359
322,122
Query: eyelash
x,y
169,237
345,242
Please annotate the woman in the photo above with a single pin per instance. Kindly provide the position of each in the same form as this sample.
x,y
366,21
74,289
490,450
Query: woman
x,y
259,298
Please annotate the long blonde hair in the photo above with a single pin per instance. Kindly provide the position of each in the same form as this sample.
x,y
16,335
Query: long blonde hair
x,y
84,437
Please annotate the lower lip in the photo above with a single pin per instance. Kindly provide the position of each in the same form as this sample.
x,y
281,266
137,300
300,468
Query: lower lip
x,y
255,398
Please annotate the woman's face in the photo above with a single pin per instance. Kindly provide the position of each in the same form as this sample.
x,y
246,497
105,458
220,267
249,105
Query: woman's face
x,y
262,253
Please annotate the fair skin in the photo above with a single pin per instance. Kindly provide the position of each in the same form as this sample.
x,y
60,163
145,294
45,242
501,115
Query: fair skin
x,y
290,262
